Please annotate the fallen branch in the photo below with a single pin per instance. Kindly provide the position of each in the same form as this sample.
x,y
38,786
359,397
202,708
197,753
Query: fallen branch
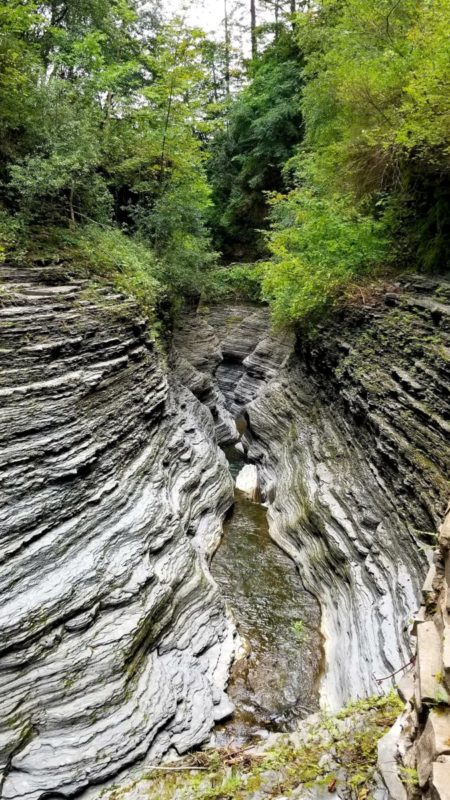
x,y
393,674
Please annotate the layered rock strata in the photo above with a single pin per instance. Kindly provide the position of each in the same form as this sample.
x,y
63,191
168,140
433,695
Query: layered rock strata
x,y
196,355
251,354
351,441
115,645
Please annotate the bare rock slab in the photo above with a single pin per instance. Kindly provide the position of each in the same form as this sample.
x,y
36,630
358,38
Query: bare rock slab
x,y
429,662
440,781
248,482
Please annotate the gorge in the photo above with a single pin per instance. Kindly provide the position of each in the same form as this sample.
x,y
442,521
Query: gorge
x,y
224,400
117,642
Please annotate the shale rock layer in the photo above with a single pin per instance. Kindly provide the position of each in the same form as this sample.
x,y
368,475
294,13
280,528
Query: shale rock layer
x,y
115,646
352,442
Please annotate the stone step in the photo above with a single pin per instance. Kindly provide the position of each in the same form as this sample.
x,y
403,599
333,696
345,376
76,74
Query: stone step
x,y
429,663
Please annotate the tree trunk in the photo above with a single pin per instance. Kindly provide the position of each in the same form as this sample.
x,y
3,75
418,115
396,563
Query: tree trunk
x,y
277,19
227,49
71,208
253,28
293,6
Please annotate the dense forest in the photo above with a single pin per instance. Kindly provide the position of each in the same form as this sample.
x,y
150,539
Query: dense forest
x,y
295,169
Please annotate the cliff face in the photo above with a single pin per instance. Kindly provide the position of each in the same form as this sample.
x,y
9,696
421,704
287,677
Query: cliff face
x,y
115,645
351,437
352,441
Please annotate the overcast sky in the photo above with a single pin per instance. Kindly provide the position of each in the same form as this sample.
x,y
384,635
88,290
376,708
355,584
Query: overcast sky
x,y
207,14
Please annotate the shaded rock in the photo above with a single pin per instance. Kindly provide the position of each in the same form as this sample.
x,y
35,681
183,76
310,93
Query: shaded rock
x,y
196,356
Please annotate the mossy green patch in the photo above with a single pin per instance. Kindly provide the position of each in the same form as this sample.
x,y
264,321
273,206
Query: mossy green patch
x,y
339,751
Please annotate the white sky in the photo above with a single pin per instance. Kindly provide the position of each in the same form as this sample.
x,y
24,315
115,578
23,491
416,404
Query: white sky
x,y
207,14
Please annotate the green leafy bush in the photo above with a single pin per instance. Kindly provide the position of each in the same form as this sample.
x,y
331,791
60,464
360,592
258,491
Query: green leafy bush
x,y
319,245
11,234
236,282
129,264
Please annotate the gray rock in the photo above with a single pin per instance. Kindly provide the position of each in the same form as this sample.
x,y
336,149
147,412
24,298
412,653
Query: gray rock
x,y
115,645
440,779
434,742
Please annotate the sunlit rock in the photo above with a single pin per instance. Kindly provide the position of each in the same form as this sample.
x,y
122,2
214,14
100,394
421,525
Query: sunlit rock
x,y
248,482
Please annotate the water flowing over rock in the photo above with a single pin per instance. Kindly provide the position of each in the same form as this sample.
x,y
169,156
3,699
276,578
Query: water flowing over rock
x,y
115,645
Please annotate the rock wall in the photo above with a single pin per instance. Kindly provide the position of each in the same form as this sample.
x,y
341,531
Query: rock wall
x,y
422,743
352,443
115,645
350,436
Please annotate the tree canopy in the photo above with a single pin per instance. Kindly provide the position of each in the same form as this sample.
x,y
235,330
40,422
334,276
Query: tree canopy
x,y
141,148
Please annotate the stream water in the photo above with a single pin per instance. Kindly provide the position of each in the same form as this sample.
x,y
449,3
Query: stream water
x,y
277,682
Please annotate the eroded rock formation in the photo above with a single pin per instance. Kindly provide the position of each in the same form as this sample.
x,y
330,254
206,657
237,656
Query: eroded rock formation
x,y
352,442
351,439
115,645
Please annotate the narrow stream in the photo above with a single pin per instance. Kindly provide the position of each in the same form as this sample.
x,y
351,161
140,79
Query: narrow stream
x,y
276,684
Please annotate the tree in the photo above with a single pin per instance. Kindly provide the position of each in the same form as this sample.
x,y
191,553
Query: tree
x,y
248,157
253,28
373,172
103,121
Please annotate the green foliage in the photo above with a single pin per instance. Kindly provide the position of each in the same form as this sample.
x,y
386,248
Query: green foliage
x,y
319,245
102,122
333,753
237,282
299,629
377,110
11,236
130,264
111,115
248,156
373,173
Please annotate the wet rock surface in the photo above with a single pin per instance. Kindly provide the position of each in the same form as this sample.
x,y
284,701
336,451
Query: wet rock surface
x,y
115,645
275,683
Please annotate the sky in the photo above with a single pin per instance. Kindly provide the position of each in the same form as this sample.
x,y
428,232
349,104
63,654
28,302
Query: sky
x,y
207,14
